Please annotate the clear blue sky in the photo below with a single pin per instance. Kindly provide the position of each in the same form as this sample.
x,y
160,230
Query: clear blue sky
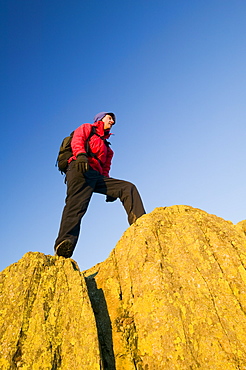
x,y
172,71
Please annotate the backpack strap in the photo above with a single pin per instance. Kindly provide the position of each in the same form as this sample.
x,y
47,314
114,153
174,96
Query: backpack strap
x,y
87,146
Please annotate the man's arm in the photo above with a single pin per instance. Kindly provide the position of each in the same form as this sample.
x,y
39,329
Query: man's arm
x,y
80,136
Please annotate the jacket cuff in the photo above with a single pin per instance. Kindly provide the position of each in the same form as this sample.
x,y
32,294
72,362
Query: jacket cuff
x,y
81,154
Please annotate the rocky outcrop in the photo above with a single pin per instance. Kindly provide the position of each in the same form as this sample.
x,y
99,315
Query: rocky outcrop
x,y
171,295
46,317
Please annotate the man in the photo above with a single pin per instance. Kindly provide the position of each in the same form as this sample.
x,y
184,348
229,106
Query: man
x,y
88,172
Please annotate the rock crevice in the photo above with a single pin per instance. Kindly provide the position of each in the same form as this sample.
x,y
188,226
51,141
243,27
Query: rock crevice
x,y
103,323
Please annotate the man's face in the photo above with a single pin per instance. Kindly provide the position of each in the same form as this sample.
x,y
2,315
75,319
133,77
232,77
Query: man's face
x,y
108,122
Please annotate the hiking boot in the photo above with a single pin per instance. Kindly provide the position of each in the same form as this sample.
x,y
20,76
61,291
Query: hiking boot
x,y
64,249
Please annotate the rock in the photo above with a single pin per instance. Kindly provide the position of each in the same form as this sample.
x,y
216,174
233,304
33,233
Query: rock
x,y
171,296
46,319
241,226
175,291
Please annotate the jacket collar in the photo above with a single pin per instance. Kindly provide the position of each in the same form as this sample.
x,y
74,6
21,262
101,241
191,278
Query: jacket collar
x,y
100,129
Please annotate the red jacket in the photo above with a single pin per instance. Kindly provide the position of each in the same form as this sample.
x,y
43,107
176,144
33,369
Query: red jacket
x,y
103,153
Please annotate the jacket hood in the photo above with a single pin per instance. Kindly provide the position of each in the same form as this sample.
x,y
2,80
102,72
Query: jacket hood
x,y
100,129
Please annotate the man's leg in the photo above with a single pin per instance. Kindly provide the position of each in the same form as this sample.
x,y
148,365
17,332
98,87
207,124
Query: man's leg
x,y
126,192
79,192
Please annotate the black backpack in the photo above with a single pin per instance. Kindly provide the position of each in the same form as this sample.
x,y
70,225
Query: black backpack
x,y
65,151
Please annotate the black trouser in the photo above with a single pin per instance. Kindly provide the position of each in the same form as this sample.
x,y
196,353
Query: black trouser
x,y
79,191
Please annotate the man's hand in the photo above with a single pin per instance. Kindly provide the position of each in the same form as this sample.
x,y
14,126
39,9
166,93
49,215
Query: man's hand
x,y
82,163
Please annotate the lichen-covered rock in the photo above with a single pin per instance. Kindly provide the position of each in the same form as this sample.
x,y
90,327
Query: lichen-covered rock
x,y
46,320
171,296
175,291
